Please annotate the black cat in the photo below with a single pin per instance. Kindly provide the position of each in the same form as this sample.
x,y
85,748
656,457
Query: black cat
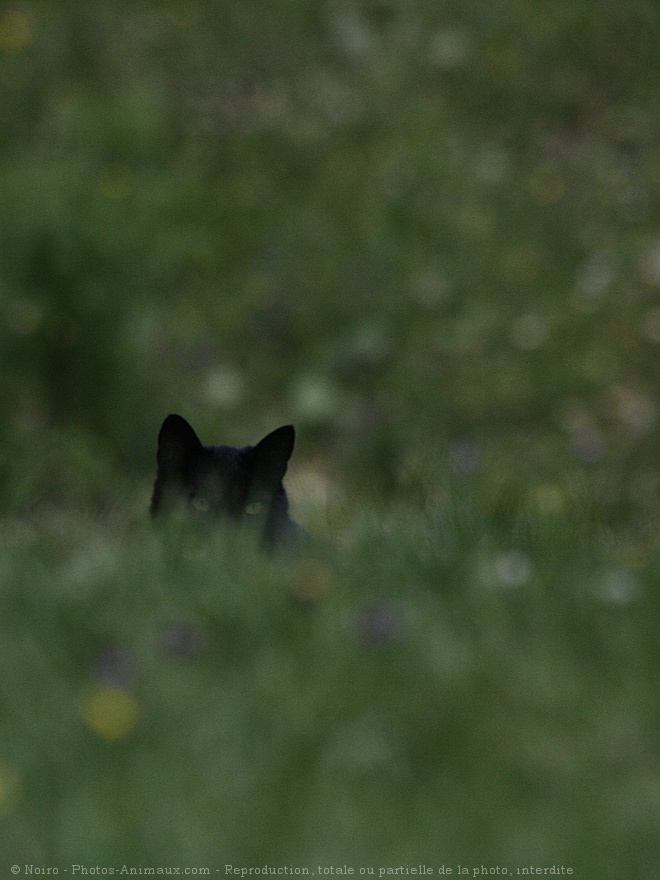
x,y
225,483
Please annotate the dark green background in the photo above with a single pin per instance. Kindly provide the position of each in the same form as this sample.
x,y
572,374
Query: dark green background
x,y
426,233
394,224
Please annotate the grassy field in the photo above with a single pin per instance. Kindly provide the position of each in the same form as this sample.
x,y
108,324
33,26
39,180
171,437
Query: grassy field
x,y
415,692
425,233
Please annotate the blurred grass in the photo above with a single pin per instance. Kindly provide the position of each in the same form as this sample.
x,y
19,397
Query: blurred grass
x,y
417,695
426,233
388,222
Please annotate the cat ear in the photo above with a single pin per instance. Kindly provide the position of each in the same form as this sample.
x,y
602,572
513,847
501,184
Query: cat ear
x,y
177,444
271,455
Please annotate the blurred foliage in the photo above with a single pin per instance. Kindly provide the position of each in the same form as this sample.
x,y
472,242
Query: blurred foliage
x,y
427,234
394,223
422,697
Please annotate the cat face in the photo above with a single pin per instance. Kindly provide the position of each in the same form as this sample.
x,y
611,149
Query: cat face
x,y
223,482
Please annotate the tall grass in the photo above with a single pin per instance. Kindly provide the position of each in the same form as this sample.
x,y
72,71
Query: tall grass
x,y
420,690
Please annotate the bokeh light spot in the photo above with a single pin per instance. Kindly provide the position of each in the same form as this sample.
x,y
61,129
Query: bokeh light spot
x,y
111,712
315,398
618,586
547,499
588,444
511,570
449,48
15,31
224,387
529,332
634,409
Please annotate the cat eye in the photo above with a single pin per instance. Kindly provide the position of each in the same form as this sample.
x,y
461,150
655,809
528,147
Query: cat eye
x,y
200,504
254,507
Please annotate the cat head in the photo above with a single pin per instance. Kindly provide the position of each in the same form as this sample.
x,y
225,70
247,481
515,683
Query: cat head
x,y
214,483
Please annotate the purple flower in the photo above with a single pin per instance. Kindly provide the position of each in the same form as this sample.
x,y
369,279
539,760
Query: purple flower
x,y
115,667
380,624
181,639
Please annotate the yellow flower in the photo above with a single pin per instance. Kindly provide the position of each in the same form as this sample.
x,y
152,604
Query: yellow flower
x,y
15,31
111,712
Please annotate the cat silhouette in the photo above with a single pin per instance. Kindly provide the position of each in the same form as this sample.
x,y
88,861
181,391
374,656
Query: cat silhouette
x,y
226,484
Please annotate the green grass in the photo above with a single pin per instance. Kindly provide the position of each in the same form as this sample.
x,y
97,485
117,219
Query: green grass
x,y
427,235
419,693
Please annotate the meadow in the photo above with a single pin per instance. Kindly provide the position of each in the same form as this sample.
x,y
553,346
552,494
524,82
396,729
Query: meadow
x,y
416,694
427,235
